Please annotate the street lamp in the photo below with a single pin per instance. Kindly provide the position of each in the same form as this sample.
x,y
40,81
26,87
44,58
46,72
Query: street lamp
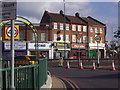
x,y
98,39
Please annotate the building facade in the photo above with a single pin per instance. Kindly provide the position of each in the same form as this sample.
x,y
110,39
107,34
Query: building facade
x,y
59,35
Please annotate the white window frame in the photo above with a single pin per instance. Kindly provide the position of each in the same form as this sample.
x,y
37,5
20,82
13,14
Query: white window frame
x,y
55,26
79,28
96,30
55,37
67,27
73,27
101,30
84,39
61,36
43,39
33,36
67,38
61,26
73,38
91,29
84,28
91,39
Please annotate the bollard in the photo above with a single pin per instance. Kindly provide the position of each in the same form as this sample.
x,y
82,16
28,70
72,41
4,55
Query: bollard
x,y
93,68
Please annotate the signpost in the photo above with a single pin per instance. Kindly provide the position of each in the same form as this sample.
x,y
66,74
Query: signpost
x,y
79,35
8,12
98,39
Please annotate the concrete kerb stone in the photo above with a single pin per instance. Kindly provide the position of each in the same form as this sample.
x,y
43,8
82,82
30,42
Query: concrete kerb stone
x,y
48,84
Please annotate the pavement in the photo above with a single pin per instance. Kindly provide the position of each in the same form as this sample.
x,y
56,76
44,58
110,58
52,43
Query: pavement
x,y
53,83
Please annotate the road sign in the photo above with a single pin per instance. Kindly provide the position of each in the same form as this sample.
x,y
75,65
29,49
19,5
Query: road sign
x,y
97,38
8,10
8,32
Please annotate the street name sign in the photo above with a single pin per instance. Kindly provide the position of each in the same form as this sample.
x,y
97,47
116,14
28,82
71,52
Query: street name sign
x,y
8,10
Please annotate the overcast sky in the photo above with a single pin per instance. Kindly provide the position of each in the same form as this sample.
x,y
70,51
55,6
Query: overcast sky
x,y
106,12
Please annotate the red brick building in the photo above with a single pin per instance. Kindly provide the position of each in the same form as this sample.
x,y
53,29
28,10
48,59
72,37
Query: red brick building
x,y
68,29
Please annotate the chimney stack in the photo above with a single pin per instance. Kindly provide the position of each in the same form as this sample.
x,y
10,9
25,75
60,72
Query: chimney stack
x,y
61,11
77,14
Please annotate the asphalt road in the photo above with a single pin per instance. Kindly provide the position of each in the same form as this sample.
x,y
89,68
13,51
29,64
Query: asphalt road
x,y
87,78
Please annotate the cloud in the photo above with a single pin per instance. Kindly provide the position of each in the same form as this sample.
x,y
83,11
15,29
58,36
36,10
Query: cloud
x,y
35,10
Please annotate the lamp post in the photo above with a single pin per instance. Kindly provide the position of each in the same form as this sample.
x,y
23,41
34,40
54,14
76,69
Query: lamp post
x,y
79,35
98,39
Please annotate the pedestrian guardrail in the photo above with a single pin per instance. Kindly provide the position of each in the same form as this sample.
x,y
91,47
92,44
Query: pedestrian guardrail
x,y
31,76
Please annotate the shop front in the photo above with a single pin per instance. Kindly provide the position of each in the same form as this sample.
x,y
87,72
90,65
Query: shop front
x,y
41,49
61,50
93,50
19,47
78,50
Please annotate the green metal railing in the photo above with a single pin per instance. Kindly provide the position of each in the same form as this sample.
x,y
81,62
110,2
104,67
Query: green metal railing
x,y
28,76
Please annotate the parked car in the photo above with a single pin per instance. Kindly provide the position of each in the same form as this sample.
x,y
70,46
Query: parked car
x,y
25,60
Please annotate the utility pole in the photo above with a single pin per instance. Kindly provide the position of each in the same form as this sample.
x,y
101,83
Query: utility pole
x,y
64,32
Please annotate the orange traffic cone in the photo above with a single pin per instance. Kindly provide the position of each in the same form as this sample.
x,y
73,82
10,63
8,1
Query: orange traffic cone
x,y
93,68
68,65
81,66
113,65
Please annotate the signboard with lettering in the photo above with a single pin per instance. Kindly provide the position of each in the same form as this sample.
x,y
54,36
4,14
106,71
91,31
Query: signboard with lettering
x,y
17,45
78,46
8,9
39,45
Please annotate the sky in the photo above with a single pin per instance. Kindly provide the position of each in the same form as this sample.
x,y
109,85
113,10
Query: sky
x,y
105,11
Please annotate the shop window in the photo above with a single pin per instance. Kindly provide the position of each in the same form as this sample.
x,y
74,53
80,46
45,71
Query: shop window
x,y
43,37
79,27
67,26
73,38
61,26
73,27
55,26
84,28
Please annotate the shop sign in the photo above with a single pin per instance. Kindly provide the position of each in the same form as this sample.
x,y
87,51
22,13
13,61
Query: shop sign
x,y
39,45
77,46
17,46
62,45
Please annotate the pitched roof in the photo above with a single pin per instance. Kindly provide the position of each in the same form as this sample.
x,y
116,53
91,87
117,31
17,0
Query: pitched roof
x,y
92,21
75,20
58,17
68,19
